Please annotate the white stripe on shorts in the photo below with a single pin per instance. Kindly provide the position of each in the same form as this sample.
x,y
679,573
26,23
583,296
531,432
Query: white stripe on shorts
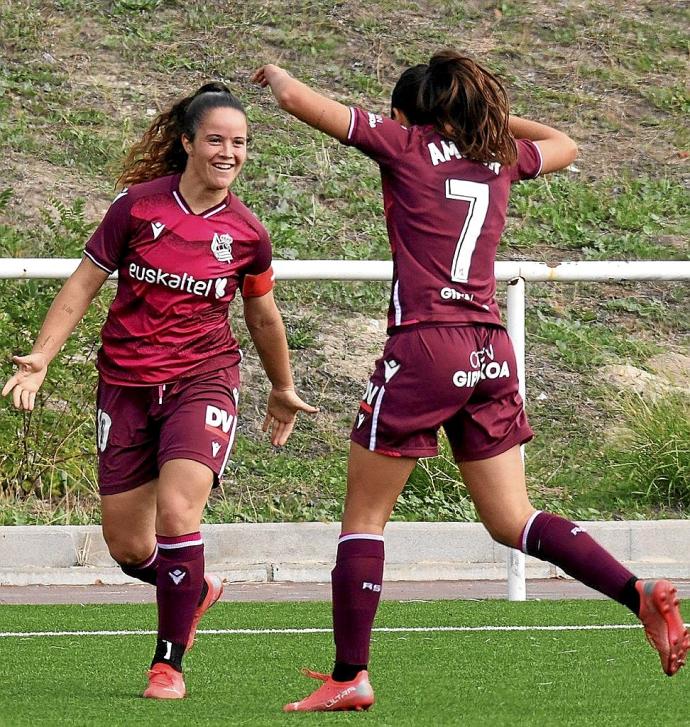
x,y
396,304
236,397
375,419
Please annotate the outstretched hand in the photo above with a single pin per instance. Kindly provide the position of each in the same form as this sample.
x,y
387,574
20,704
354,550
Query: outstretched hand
x,y
27,380
281,413
267,75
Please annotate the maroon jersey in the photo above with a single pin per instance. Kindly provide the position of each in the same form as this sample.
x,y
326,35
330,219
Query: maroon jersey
x,y
445,215
178,273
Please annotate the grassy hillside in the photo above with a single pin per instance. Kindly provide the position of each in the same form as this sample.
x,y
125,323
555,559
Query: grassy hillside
x,y
79,81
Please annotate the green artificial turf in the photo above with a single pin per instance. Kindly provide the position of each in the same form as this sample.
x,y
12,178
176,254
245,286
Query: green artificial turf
x,y
605,677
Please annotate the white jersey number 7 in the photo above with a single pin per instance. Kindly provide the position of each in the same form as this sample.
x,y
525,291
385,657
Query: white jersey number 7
x,y
477,194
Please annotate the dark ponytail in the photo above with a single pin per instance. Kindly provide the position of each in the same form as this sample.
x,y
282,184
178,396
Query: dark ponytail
x,y
160,151
405,96
469,105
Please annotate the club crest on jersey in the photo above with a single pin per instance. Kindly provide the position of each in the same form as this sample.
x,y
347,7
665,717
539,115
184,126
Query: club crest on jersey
x,y
221,247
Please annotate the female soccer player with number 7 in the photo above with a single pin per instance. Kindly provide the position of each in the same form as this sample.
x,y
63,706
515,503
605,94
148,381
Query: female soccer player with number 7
x,y
448,157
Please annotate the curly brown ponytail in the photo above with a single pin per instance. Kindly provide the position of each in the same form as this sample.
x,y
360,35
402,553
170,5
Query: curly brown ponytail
x,y
468,104
160,151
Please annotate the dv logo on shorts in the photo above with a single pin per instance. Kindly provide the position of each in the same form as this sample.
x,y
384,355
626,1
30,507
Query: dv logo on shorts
x,y
218,421
368,399
221,247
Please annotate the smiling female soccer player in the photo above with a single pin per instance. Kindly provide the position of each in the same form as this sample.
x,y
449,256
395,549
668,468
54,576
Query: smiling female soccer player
x,y
448,158
168,391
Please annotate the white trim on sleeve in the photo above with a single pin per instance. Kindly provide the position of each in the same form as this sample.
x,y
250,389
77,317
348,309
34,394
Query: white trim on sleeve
x,y
541,159
351,128
95,262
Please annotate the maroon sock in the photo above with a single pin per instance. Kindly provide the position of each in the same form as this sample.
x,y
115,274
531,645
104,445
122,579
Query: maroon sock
x,y
145,571
179,583
566,545
356,583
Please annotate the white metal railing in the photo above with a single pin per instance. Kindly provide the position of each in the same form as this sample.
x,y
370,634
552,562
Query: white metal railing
x,y
515,273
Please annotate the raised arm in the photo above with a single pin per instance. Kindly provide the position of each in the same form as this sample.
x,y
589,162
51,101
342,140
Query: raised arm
x,y
65,312
268,333
557,149
304,103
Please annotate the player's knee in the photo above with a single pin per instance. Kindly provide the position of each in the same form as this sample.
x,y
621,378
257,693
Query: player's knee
x,y
178,518
128,554
506,532
125,549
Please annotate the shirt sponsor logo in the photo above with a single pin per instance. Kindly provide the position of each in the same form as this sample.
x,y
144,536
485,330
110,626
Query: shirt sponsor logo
x,y
185,282
452,294
221,247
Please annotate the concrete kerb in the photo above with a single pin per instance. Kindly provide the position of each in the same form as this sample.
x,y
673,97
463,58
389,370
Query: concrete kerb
x,y
305,552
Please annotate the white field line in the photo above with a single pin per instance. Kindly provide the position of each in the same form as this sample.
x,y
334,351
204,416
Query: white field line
x,y
388,630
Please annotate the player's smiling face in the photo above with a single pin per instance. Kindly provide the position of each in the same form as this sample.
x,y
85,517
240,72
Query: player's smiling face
x,y
219,149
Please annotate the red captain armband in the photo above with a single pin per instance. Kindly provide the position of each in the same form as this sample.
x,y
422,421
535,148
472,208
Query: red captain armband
x,y
254,286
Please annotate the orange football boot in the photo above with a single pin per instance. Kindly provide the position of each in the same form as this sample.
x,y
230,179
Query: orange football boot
x,y
334,696
164,683
663,623
214,592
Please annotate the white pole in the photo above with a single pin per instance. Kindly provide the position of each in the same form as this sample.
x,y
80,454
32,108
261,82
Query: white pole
x,y
61,268
517,587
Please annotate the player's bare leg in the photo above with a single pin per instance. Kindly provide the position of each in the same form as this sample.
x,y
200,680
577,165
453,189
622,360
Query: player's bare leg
x,y
497,487
129,530
373,486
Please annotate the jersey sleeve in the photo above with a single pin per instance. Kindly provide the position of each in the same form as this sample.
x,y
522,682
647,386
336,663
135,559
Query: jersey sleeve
x,y
377,136
258,277
529,161
108,243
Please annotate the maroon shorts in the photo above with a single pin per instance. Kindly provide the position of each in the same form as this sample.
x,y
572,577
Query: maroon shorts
x,y
139,428
462,378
